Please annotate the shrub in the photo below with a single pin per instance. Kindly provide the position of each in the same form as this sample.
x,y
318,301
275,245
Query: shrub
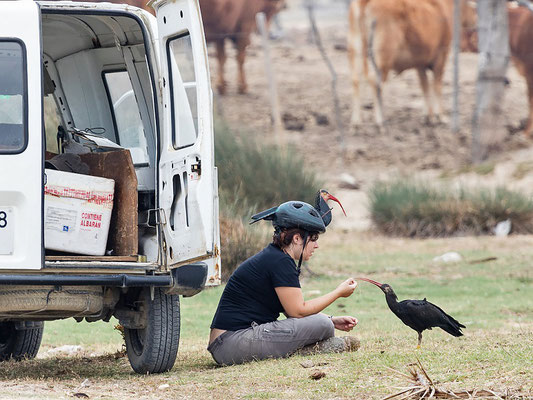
x,y
251,178
409,208
260,175
237,242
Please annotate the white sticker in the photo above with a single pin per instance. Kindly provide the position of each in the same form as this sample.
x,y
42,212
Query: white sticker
x,y
60,219
7,230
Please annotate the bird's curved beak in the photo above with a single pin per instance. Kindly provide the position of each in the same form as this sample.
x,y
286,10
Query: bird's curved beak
x,y
331,197
371,281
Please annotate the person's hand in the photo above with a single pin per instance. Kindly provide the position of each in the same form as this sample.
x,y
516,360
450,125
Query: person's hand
x,y
347,287
344,323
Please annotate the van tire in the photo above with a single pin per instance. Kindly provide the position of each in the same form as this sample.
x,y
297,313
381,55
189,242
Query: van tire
x,y
19,344
154,349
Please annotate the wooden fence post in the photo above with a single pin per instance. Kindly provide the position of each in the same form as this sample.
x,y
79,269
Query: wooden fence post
x,y
309,4
272,86
456,49
487,122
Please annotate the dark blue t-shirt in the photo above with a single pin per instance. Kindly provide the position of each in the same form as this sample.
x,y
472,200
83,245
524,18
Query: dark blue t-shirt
x,y
249,295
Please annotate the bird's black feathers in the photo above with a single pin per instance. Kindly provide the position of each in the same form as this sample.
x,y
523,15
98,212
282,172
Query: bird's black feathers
x,y
421,315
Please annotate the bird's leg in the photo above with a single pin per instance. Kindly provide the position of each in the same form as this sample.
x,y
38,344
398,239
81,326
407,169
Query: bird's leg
x,y
419,340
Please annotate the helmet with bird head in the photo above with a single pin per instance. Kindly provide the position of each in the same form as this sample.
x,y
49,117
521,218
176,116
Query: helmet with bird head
x,y
293,215
301,216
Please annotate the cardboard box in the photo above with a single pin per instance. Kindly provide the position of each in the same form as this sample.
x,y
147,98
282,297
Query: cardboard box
x,y
77,212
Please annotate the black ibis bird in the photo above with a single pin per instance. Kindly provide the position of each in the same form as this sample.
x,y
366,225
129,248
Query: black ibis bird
x,y
321,204
419,314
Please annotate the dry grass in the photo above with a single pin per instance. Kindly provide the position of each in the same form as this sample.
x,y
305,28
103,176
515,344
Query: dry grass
x,y
421,386
523,169
238,242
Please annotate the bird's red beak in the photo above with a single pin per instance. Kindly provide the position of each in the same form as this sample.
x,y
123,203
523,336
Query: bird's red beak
x,y
331,197
369,280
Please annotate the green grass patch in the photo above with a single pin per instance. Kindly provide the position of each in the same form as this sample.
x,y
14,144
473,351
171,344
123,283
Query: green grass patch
x,y
493,299
418,209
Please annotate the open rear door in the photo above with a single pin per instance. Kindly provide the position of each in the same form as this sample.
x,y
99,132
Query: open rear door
x,y
21,153
187,177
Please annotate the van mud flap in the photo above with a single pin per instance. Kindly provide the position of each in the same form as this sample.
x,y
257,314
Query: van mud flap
x,y
188,279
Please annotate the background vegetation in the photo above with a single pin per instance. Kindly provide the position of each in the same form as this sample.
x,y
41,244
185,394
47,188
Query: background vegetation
x,y
252,177
404,207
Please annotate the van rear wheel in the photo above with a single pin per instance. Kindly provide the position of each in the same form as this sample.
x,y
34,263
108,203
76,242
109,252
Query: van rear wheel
x,y
153,349
19,343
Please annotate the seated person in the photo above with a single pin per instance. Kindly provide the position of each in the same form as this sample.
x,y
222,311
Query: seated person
x,y
246,326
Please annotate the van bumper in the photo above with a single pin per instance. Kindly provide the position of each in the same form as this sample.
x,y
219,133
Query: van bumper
x,y
186,280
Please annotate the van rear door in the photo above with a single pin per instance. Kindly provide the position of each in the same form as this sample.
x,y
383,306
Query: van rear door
x,y
186,164
21,152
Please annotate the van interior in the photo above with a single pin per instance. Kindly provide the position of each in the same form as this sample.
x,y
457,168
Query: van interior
x,y
98,104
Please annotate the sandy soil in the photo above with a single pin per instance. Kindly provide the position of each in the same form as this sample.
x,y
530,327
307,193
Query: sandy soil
x,y
408,147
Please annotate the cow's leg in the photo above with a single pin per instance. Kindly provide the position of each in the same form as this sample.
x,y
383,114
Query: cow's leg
x,y
428,98
377,73
377,85
438,74
529,126
242,43
221,56
356,60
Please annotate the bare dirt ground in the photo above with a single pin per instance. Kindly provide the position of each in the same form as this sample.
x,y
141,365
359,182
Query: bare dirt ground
x,y
408,147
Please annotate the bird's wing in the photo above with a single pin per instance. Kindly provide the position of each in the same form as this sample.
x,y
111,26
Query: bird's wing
x,y
457,324
412,314
267,214
426,315
448,315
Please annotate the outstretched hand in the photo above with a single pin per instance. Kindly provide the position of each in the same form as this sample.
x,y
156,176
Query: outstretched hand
x,y
344,323
347,287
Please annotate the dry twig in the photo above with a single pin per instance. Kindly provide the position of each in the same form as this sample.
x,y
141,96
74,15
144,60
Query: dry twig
x,y
422,387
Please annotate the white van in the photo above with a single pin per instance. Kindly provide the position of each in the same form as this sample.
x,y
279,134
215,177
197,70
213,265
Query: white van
x,y
104,105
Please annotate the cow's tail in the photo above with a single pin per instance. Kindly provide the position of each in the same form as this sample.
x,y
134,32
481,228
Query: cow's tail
x,y
356,55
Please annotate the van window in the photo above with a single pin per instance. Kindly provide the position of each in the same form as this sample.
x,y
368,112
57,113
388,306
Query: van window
x,y
126,116
183,91
13,130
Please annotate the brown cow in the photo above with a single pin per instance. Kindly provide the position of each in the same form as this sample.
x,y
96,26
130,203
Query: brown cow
x,y
395,35
226,19
234,20
521,44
